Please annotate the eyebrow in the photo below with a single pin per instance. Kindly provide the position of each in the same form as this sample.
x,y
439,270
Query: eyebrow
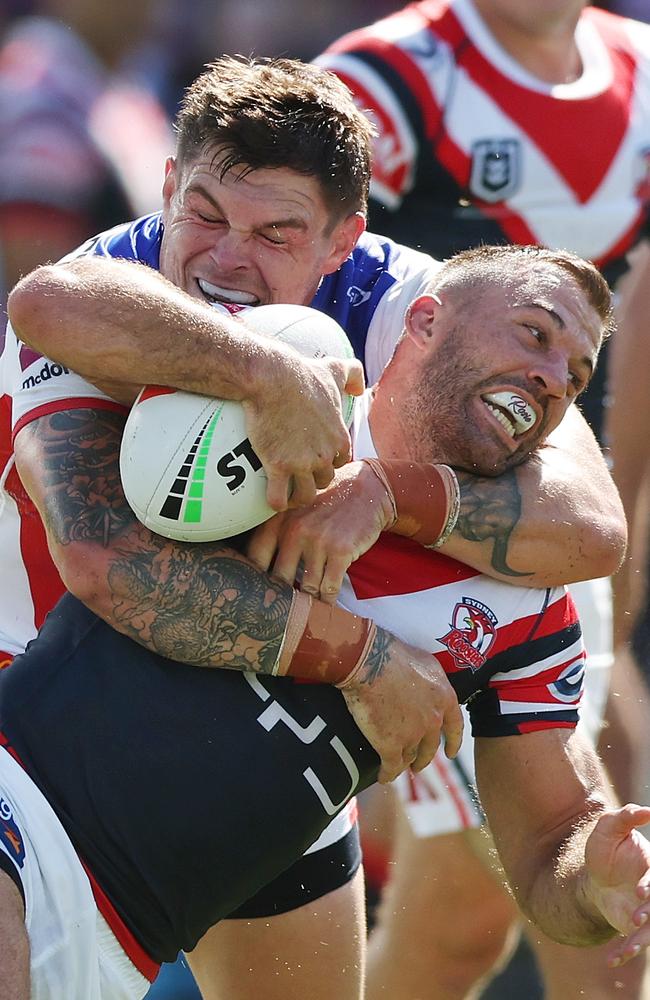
x,y
291,222
559,322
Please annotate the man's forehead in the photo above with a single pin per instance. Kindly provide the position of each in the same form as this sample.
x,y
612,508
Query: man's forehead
x,y
277,187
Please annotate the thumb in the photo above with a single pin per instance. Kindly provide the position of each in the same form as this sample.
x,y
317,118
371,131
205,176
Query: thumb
x,y
618,823
355,382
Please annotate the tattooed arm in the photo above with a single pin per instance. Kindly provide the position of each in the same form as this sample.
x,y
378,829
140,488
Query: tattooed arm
x,y
555,519
206,605
546,523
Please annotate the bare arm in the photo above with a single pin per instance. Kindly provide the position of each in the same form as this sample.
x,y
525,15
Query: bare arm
x,y
627,423
207,605
122,325
574,864
555,519
14,944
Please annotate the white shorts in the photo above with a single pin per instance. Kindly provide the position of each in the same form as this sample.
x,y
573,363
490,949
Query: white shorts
x,y
442,798
73,953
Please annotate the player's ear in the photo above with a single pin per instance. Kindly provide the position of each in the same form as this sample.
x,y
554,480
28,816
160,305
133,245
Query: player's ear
x,y
345,235
419,319
171,181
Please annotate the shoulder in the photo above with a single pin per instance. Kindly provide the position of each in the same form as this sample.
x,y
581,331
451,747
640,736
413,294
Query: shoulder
x,y
138,240
372,290
620,33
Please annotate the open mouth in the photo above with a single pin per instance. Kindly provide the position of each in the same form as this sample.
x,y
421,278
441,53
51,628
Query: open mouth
x,y
515,415
232,296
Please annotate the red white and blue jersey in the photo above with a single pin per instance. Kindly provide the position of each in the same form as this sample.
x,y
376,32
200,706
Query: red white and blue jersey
x,y
513,654
368,296
474,149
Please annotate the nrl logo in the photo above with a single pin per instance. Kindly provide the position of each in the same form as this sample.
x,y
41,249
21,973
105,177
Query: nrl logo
x,y
472,632
496,169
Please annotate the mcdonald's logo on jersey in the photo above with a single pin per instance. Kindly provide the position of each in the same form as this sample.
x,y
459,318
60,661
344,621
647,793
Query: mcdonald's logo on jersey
x,y
472,632
496,169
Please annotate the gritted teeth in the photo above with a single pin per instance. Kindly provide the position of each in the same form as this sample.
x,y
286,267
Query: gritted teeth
x,y
215,292
512,411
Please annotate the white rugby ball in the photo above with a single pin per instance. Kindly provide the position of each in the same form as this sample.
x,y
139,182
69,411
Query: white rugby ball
x,y
188,469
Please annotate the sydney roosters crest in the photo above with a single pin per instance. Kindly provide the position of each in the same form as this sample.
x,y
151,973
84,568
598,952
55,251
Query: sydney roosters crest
x,y
472,632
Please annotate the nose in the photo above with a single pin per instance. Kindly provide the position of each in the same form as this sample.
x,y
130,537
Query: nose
x,y
231,250
552,373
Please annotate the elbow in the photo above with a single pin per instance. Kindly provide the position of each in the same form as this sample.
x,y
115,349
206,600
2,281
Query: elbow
x,y
607,546
85,578
32,306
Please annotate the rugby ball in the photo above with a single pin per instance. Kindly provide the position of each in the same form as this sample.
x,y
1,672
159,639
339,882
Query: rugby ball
x,y
188,469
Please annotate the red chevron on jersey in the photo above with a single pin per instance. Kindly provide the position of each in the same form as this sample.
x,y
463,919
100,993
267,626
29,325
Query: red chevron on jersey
x,y
514,652
397,564
561,128
489,152
393,148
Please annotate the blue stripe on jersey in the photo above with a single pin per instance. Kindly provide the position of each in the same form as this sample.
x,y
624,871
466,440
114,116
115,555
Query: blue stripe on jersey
x,y
139,240
466,682
351,294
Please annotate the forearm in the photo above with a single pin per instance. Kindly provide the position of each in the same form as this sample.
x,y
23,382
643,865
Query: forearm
x,y
205,605
199,604
558,901
541,820
14,942
143,329
550,521
627,421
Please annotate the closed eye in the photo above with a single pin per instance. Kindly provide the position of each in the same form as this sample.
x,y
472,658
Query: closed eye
x,y
275,242
208,218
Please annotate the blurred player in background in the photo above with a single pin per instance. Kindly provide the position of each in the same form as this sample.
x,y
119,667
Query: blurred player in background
x,y
81,139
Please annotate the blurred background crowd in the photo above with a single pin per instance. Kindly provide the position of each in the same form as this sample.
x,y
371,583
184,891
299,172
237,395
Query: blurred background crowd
x,y
88,90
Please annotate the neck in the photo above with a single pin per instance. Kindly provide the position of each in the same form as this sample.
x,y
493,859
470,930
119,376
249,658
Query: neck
x,y
389,421
542,43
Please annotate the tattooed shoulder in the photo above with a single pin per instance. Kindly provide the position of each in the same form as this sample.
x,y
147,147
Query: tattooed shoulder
x,y
79,451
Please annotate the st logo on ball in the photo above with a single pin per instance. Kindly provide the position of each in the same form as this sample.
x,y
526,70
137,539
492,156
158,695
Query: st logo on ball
x,y
188,470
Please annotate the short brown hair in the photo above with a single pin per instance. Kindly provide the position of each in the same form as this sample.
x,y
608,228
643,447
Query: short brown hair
x,y
270,113
489,262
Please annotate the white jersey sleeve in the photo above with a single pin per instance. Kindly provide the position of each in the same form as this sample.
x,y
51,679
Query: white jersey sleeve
x,y
39,386
387,323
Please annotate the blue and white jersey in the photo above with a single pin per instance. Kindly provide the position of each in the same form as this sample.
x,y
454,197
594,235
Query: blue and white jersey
x,y
368,295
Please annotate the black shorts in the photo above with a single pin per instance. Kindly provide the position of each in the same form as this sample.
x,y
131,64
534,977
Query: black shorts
x,y
184,790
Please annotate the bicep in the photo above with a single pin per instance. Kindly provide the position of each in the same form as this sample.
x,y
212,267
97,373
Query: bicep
x,y
14,943
68,462
555,519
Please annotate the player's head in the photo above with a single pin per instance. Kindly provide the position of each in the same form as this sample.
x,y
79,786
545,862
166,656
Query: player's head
x,y
279,113
492,358
275,156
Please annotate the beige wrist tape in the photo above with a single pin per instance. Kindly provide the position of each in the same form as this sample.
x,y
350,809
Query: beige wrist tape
x,y
425,497
324,643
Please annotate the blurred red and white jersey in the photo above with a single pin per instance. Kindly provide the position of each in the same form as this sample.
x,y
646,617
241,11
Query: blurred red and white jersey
x,y
473,148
